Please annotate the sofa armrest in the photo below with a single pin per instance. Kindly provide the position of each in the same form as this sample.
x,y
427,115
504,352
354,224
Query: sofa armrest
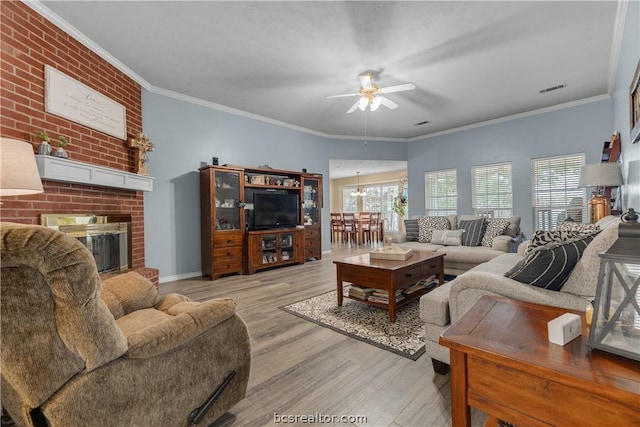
x,y
182,321
467,288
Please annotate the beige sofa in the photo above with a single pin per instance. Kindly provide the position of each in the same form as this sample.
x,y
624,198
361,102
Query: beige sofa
x,y
451,300
459,259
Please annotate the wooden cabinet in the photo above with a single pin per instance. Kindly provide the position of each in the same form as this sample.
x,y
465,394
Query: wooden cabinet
x,y
271,248
222,220
230,244
311,214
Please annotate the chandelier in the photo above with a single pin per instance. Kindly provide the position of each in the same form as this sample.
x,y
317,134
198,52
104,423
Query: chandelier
x,y
358,192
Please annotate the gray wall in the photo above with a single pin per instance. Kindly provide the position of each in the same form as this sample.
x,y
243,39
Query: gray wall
x,y
629,57
581,129
186,134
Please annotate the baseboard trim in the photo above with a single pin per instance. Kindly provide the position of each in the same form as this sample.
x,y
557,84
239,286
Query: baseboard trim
x,y
173,278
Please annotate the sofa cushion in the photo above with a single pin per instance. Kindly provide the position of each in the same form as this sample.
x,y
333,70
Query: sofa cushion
x,y
411,228
549,266
447,237
426,225
435,308
495,227
473,231
468,255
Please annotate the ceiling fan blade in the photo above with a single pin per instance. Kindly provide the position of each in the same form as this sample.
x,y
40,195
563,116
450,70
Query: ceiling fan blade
x,y
388,103
343,95
397,88
365,80
354,107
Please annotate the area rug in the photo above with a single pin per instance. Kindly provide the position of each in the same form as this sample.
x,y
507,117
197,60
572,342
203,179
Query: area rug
x,y
366,323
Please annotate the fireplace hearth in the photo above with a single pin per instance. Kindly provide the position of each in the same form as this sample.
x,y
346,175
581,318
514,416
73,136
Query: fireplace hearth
x,y
107,236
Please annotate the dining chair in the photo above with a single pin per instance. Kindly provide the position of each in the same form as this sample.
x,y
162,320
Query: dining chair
x,y
350,228
337,226
373,232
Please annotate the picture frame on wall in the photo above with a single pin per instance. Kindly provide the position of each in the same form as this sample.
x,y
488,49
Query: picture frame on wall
x,y
634,106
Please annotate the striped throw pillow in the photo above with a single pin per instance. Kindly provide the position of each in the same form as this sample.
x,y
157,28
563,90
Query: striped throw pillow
x,y
473,231
411,227
549,266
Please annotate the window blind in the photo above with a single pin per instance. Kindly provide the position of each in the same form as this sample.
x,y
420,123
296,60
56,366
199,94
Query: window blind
x,y
491,190
556,195
441,188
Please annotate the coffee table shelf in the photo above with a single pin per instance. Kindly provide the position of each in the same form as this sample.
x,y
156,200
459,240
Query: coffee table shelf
x,y
389,276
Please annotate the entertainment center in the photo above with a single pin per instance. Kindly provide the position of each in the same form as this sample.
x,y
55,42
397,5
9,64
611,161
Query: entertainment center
x,y
256,218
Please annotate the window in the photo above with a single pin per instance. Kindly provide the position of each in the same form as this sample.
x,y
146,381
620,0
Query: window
x,y
349,202
379,198
441,196
556,195
491,191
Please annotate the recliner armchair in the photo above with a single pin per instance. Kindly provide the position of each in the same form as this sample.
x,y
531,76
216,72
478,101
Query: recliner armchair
x,y
78,352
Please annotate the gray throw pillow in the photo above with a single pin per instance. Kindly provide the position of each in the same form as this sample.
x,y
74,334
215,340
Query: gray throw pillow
x,y
447,237
549,266
411,227
473,231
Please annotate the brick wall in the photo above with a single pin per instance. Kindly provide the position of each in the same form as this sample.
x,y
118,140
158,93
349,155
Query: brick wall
x,y
28,42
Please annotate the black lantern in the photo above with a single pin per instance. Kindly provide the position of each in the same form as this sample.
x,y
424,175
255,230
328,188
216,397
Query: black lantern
x,y
616,319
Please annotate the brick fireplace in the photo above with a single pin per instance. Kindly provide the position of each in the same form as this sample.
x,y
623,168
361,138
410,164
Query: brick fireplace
x,y
29,42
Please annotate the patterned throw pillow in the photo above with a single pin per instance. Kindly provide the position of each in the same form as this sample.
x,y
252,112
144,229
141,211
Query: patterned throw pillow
x,y
543,238
447,237
411,227
577,226
495,227
473,231
426,225
549,266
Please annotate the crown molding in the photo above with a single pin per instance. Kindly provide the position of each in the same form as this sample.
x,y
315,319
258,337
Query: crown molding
x,y
56,20
515,116
616,43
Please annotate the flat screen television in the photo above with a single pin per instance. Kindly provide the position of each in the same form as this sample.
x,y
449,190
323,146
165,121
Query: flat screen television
x,y
275,210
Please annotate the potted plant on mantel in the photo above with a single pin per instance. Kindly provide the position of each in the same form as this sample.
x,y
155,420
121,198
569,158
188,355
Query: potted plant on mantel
x,y
44,147
60,151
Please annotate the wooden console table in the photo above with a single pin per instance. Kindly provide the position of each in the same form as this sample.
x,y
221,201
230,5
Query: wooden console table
x,y
503,364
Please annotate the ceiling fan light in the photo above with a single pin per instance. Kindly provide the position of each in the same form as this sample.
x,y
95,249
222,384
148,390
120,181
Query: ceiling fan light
x,y
362,104
376,103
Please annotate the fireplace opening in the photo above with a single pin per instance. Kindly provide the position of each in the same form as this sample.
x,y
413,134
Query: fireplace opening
x,y
108,236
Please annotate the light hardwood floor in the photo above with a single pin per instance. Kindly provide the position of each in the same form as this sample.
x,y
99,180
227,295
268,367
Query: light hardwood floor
x,y
300,368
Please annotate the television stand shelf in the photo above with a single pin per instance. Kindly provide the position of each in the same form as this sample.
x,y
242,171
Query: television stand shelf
x,y
238,204
271,248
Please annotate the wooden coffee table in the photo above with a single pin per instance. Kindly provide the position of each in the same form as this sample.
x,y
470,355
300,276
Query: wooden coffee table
x,y
503,364
389,276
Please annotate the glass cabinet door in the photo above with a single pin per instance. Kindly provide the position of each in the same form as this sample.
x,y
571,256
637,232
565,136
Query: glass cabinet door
x,y
311,203
286,246
269,248
227,196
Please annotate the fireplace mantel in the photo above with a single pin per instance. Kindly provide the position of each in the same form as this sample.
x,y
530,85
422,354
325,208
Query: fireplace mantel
x,y
65,170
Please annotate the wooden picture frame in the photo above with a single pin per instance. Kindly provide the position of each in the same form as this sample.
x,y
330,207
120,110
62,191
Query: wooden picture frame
x,y
258,179
634,106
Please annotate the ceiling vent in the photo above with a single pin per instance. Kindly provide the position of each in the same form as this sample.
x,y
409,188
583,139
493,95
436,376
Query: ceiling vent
x,y
551,89
421,123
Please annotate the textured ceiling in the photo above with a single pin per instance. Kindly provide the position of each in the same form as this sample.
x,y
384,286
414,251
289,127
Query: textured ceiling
x,y
277,61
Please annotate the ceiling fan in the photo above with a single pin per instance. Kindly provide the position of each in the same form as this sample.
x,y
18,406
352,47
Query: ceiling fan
x,y
371,94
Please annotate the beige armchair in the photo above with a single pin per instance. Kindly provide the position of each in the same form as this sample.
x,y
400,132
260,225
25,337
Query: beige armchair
x,y
78,352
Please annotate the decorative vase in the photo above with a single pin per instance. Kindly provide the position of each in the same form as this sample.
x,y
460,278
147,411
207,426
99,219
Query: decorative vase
x,y
61,152
630,216
44,148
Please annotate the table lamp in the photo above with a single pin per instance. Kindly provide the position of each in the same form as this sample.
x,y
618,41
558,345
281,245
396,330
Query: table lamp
x,y
18,170
600,175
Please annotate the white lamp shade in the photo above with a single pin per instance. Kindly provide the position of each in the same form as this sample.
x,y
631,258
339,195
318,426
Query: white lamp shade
x,y
18,170
601,175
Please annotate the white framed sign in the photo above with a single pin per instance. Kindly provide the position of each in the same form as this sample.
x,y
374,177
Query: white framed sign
x,y
72,100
